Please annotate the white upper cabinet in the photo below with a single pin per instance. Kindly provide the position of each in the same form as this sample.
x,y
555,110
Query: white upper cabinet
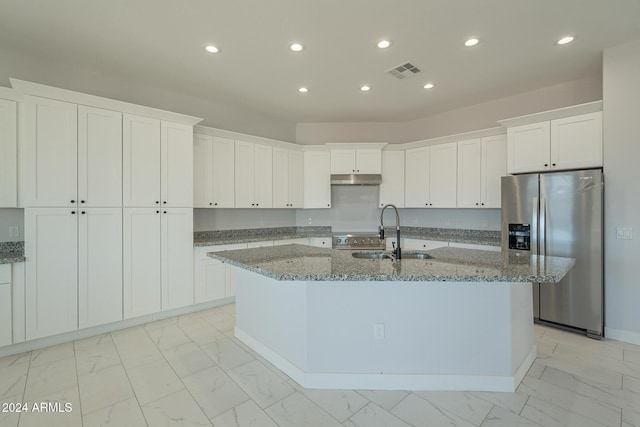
x,y
288,185
348,159
213,174
317,180
99,157
481,164
157,163
430,176
51,153
416,190
443,175
565,142
253,172
576,142
392,186
8,154
141,161
176,170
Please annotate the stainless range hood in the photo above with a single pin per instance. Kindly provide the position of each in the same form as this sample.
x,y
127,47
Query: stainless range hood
x,y
359,179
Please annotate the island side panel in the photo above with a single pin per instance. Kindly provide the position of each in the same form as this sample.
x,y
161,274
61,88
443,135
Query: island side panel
x,y
270,316
441,328
522,335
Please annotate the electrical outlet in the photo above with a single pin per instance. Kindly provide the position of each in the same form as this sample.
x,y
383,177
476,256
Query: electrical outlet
x,y
624,233
14,231
310,221
378,331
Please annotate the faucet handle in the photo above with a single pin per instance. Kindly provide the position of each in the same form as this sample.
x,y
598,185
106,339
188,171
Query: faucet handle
x,y
393,244
381,232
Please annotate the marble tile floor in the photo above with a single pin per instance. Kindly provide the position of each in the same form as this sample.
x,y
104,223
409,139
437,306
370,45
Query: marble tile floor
x,y
191,371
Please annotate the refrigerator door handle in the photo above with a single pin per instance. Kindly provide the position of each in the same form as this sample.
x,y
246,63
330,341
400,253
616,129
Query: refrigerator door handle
x,y
543,226
534,228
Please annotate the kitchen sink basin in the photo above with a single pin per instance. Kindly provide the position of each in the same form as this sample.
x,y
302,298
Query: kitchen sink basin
x,y
389,255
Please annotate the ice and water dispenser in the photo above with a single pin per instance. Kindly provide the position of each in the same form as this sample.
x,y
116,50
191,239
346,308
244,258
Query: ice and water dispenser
x,y
520,237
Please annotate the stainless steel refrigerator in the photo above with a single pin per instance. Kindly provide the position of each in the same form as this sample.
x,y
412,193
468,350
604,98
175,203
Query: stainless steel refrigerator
x,y
560,214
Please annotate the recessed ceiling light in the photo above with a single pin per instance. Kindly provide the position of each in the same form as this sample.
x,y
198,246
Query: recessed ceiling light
x,y
365,88
565,40
428,86
296,47
303,90
471,42
211,48
383,44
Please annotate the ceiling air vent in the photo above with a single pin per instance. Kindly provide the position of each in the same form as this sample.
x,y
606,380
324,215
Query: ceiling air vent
x,y
403,71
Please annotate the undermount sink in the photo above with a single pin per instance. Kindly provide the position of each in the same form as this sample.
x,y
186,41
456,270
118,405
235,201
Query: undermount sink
x,y
389,255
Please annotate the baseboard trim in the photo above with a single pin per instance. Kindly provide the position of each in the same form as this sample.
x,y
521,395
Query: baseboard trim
x,y
630,337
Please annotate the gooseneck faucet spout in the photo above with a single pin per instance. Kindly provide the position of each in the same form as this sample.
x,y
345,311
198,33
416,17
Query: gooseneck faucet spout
x,y
398,252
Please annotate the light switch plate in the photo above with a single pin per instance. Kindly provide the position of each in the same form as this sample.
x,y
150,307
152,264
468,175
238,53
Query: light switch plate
x,y
624,233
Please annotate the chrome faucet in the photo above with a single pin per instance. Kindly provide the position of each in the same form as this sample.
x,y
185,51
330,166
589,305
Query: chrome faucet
x,y
397,251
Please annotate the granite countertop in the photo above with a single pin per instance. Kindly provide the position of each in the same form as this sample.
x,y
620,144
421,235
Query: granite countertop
x,y
306,263
11,252
225,237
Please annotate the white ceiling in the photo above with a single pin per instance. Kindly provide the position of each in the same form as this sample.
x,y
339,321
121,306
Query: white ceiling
x,y
161,43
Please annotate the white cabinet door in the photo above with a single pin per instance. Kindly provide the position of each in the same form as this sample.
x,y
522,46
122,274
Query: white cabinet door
x,y
369,161
317,179
99,266
576,142
6,318
8,154
202,171
245,174
320,242
176,170
213,275
493,168
296,179
392,187
443,175
469,170
141,161
528,148
343,161
99,157
475,246
223,173
141,261
280,178
260,244
177,257
263,179
51,236
416,190
51,153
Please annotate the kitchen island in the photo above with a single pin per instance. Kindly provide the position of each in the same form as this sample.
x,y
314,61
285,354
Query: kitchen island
x,y
461,320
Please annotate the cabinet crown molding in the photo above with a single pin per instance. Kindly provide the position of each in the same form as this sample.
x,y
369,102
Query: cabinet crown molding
x,y
23,87
355,145
558,113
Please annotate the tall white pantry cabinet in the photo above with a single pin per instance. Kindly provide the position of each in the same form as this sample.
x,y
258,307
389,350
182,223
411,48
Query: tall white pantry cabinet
x,y
87,172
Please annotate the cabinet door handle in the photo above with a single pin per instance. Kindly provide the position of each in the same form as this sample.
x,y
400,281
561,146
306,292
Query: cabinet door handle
x,y
165,211
546,164
482,204
157,202
215,204
165,202
553,164
73,212
83,212
73,201
81,201
476,204
210,204
157,211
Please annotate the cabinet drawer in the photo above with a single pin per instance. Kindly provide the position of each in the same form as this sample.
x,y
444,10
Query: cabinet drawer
x,y
5,273
5,314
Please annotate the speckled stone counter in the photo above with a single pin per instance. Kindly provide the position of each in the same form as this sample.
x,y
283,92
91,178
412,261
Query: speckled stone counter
x,y
305,263
11,252
224,237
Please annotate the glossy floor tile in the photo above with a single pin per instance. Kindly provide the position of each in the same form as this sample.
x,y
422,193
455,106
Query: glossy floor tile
x,y
191,371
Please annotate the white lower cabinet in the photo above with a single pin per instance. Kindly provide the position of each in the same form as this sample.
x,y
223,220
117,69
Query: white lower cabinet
x,y
260,244
158,264
300,241
320,242
99,266
51,236
6,320
177,257
214,279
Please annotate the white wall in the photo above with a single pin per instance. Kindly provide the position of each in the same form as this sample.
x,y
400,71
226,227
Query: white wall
x,y
621,96
233,219
235,118
11,218
474,117
355,208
